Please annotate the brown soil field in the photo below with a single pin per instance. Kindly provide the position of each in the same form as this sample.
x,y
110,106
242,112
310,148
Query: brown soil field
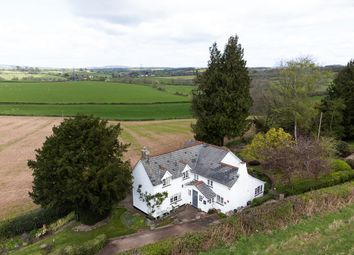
x,y
20,136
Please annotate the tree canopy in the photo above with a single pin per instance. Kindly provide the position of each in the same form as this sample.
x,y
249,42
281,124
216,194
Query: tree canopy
x,y
81,167
338,106
291,105
222,100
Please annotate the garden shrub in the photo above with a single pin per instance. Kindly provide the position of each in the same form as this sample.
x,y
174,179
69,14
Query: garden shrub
x,y
260,200
340,165
30,221
305,185
343,149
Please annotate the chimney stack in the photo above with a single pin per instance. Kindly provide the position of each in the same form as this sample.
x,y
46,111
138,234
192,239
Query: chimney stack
x,y
145,153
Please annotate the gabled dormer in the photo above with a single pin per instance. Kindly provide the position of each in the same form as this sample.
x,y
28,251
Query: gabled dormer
x,y
186,173
166,179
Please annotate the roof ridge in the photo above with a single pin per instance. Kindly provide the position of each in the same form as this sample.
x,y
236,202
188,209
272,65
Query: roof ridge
x,y
167,152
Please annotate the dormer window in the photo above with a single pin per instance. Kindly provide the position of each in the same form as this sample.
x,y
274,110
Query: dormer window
x,y
210,183
166,182
186,175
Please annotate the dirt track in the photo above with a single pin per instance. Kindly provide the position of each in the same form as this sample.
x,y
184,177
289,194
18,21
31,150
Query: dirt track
x,y
20,136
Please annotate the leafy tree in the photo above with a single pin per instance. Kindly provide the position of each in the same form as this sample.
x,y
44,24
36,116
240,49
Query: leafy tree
x,y
273,139
80,167
291,105
338,106
222,100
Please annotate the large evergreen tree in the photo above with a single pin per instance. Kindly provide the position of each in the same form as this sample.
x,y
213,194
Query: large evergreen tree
x,y
338,106
222,100
80,167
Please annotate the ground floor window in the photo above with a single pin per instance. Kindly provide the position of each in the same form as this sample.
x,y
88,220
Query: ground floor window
x,y
175,198
200,198
219,199
258,190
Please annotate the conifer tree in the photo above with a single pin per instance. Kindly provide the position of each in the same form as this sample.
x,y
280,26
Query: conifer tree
x,y
222,99
338,106
81,168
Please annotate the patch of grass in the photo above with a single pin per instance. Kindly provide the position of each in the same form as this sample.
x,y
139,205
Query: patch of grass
x,y
116,226
329,234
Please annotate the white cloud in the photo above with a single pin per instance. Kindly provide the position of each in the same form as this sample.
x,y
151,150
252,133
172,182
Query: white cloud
x,y
75,33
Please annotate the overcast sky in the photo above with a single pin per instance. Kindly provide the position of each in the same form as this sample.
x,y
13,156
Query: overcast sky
x,y
83,33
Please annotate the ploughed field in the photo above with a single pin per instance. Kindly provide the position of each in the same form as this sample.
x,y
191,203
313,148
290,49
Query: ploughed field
x,y
21,135
120,101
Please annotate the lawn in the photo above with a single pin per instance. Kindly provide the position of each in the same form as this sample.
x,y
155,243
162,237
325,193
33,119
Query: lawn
x,y
83,92
328,234
121,223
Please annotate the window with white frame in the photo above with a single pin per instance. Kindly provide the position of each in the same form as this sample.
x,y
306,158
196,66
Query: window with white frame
x,y
196,177
186,175
210,183
175,198
220,200
258,190
166,181
200,198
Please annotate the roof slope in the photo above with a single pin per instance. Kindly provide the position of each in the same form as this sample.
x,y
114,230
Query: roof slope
x,y
203,188
203,159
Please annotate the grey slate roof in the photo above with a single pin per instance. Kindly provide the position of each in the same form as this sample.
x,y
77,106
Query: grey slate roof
x,y
203,159
203,188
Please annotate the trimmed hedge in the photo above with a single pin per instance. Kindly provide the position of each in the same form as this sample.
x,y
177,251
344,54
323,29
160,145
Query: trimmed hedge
x,y
340,165
301,186
30,221
90,247
260,200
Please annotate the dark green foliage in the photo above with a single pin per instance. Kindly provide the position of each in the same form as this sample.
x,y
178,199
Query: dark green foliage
x,y
306,185
343,149
91,247
260,200
30,221
338,106
80,167
222,100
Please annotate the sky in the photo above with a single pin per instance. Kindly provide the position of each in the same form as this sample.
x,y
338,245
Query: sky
x,y
172,33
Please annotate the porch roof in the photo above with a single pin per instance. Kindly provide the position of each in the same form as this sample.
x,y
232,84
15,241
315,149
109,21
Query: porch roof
x,y
203,188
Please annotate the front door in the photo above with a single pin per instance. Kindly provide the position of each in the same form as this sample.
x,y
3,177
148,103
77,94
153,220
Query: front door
x,y
195,199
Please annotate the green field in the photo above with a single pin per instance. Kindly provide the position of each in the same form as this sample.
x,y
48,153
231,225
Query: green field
x,y
103,99
109,111
83,92
328,234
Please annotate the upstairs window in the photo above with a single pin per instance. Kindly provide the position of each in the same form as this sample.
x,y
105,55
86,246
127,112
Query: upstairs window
x,y
258,190
196,177
210,183
186,175
166,182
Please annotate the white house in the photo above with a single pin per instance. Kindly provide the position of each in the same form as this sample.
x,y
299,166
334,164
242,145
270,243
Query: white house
x,y
203,175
